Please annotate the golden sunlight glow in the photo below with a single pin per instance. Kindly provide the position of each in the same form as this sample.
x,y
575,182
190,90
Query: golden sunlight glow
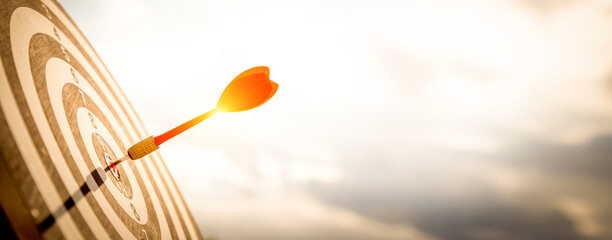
x,y
396,119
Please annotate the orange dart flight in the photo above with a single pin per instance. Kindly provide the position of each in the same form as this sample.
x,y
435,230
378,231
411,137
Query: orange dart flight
x,y
249,90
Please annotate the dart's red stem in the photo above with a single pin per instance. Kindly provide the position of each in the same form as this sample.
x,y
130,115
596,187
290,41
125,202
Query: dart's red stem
x,y
181,128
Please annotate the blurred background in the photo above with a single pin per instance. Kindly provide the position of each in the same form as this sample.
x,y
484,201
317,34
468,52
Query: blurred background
x,y
471,119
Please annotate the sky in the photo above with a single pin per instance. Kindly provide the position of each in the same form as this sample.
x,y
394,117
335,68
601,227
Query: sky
x,y
436,119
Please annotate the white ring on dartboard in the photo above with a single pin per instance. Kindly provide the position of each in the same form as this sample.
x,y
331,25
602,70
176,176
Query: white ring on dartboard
x,y
174,194
167,189
169,195
83,119
20,41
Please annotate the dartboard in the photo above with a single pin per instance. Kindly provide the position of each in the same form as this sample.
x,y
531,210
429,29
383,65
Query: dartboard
x,y
63,123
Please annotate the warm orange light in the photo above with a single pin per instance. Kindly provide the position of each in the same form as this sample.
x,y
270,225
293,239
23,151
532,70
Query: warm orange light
x,y
249,90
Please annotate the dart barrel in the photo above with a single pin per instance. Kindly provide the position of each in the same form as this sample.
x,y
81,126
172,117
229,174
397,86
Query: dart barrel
x,y
142,148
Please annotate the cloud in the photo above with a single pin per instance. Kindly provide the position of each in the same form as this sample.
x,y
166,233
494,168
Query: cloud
x,y
396,120
534,190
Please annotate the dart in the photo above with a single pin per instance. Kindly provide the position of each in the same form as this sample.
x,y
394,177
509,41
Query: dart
x,y
249,90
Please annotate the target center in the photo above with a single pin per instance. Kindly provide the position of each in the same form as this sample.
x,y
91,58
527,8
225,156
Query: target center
x,y
111,166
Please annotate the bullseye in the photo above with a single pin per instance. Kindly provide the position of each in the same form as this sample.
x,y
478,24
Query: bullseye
x,y
111,166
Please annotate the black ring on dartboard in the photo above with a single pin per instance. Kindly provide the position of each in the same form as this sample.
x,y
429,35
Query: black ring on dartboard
x,y
70,93
47,226
43,219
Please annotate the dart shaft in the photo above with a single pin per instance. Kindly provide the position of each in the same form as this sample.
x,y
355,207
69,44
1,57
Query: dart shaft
x,y
150,144
181,128
126,157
